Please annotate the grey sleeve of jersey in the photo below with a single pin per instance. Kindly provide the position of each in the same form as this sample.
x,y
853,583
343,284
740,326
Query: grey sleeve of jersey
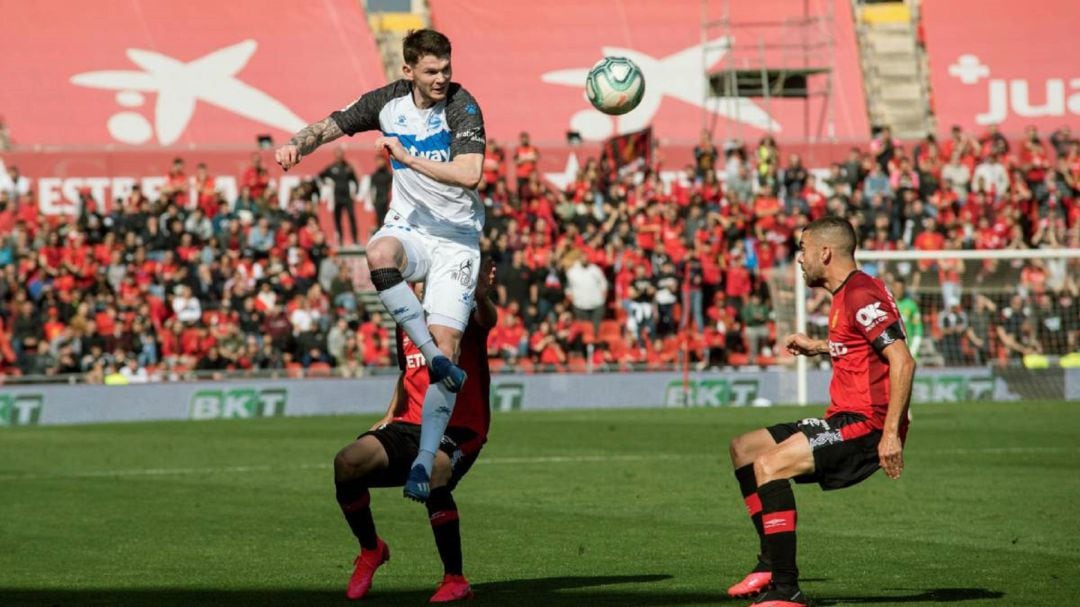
x,y
363,115
466,124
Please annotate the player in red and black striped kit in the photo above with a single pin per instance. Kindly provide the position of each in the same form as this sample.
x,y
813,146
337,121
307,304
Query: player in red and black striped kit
x,y
863,429
383,456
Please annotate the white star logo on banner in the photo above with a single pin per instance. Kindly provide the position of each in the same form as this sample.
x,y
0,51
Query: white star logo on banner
x,y
210,79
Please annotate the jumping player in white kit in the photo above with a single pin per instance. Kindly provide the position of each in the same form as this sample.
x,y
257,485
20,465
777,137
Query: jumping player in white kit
x,y
433,132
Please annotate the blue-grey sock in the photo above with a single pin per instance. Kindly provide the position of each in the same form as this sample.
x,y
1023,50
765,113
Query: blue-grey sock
x,y
438,407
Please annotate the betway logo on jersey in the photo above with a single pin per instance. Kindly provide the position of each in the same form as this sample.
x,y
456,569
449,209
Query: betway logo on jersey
x,y
438,155
415,361
837,349
1013,96
871,315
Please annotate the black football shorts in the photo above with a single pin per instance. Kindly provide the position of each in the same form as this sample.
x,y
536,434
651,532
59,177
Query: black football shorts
x,y
844,447
401,441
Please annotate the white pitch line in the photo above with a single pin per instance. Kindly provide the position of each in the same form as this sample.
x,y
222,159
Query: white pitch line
x,y
491,461
136,472
156,472
579,459
1005,451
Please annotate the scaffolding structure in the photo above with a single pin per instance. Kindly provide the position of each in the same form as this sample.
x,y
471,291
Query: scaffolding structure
x,y
790,57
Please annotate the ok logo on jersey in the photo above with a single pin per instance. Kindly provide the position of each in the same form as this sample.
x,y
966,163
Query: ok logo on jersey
x,y
870,315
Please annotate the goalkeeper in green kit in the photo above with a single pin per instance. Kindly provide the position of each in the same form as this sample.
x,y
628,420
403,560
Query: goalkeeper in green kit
x,y
909,313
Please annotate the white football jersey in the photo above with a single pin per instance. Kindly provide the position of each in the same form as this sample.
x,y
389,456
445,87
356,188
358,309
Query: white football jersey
x,y
451,127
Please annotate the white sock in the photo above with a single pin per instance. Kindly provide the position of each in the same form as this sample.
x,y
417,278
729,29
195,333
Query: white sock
x,y
400,301
438,407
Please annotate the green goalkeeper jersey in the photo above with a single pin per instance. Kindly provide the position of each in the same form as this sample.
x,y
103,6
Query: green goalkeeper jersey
x,y
909,312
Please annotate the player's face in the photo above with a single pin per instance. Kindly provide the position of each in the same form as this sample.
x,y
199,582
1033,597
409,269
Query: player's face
x,y
810,260
431,77
486,278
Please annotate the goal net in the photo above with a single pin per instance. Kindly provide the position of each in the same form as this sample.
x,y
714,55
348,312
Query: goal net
x,y
983,325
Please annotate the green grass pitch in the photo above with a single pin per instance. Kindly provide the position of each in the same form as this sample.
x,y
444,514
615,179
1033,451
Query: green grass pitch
x,y
620,508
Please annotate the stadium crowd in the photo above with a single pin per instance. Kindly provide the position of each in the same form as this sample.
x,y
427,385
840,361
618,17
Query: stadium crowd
x,y
623,268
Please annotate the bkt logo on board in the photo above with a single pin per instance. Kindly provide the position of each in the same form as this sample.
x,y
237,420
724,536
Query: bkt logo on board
x,y
507,396
20,409
712,393
238,403
952,388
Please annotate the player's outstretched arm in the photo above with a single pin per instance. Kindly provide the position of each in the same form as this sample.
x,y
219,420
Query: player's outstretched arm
x,y
799,344
901,376
307,141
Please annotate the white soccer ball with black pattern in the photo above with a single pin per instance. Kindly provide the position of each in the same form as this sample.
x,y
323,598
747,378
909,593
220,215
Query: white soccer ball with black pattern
x,y
615,85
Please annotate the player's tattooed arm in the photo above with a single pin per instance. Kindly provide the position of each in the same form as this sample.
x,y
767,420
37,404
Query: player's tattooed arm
x,y
307,141
312,136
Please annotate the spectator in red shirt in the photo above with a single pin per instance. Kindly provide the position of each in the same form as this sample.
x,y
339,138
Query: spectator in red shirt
x,y
206,190
526,157
929,239
494,166
1034,158
176,183
648,226
766,208
737,279
256,179
507,339
7,213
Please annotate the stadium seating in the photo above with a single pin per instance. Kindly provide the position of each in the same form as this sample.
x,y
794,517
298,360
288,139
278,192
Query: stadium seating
x,y
77,264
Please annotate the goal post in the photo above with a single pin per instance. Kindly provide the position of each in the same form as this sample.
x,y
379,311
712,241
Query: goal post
x,y
1014,313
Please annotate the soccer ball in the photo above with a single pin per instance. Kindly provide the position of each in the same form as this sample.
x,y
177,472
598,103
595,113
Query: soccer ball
x,y
615,85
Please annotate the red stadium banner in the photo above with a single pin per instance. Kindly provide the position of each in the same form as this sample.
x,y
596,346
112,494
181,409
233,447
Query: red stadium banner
x,y
150,73
1003,63
526,63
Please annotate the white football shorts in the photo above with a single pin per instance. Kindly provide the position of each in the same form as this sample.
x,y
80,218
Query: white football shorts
x,y
447,266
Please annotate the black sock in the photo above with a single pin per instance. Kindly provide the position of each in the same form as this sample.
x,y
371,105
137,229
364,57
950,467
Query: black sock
x,y
355,502
778,517
447,529
749,488
384,278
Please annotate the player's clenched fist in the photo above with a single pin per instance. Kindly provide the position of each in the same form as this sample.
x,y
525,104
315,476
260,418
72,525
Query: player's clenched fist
x,y
287,156
393,146
799,344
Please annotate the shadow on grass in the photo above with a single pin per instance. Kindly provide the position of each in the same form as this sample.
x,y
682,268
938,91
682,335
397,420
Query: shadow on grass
x,y
552,591
933,596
